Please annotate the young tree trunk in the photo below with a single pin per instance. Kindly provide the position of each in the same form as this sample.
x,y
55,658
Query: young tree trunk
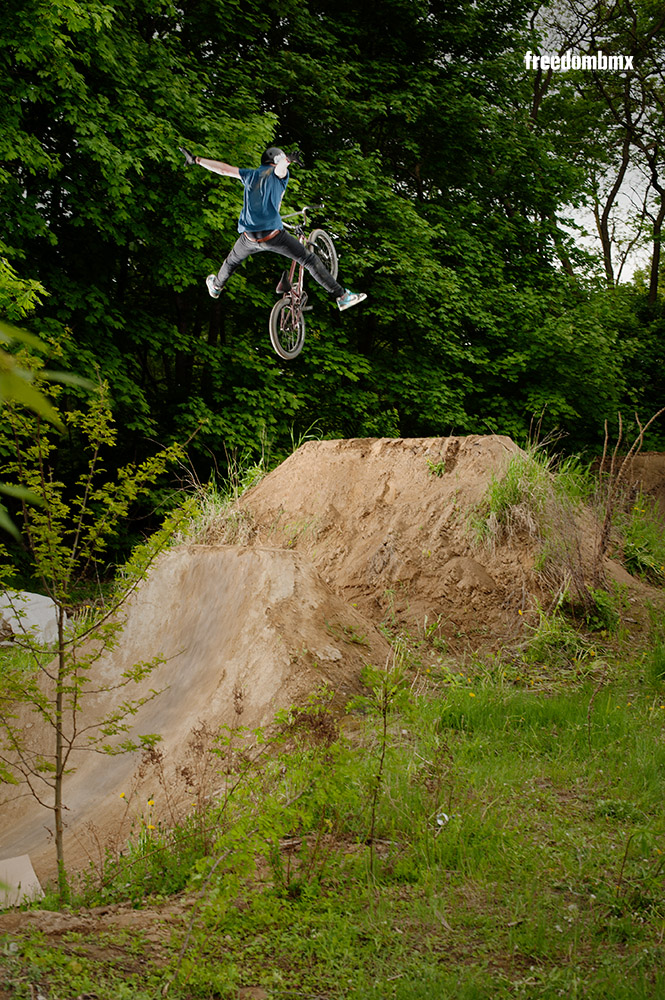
x,y
60,759
603,218
656,252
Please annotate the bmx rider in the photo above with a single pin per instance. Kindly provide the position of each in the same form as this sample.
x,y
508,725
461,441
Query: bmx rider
x,y
260,224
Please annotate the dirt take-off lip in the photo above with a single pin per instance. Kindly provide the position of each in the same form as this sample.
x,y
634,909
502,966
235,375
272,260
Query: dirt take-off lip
x,y
243,633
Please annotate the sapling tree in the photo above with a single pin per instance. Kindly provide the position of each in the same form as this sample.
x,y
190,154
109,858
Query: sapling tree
x,y
67,534
388,693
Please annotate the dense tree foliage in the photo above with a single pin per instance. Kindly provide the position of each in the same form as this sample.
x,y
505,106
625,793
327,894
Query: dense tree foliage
x,y
446,169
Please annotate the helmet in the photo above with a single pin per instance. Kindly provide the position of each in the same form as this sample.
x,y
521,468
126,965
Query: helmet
x,y
270,155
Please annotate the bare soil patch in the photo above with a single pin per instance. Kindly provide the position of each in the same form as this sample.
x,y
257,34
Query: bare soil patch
x,y
386,523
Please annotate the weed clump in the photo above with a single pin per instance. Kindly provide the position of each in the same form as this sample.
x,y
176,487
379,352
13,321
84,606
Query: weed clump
x,y
572,518
642,532
554,641
514,504
217,518
542,500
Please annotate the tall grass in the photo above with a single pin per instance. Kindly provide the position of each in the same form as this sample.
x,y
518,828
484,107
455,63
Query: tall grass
x,y
217,519
560,507
642,531
532,496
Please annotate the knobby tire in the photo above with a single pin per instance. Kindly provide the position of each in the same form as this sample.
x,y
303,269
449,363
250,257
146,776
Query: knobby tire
x,y
286,335
321,244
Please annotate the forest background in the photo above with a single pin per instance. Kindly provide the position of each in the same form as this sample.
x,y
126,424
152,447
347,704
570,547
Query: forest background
x,y
452,176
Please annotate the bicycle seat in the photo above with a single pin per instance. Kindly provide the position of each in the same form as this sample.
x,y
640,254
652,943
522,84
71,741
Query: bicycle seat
x,y
283,285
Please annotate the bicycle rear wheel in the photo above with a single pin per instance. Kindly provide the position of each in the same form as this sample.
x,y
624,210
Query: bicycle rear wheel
x,y
321,244
287,329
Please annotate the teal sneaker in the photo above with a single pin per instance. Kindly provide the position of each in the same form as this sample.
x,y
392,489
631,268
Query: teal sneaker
x,y
350,299
213,288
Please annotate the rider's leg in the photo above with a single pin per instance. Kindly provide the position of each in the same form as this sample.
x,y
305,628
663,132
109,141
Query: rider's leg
x,y
287,245
241,250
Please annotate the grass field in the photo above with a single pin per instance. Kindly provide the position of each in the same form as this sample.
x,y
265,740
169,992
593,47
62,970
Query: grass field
x,y
488,830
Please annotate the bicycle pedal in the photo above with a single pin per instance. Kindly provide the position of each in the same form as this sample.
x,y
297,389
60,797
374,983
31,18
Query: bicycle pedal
x,y
307,309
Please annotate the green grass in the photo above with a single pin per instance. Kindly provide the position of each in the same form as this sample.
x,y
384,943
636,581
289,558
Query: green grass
x,y
518,852
643,535
535,494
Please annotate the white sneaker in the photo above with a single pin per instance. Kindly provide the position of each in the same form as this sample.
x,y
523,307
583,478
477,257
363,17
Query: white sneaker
x,y
215,292
350,299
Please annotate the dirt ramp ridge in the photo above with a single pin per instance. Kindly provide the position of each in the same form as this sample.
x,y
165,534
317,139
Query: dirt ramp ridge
x,y
243,632
385,521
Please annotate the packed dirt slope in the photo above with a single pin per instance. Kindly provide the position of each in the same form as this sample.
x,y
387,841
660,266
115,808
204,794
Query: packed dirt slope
x,y
243,632
341,537
386,523
647,470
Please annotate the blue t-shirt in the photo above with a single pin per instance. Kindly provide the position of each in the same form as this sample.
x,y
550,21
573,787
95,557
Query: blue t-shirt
x,y
262,199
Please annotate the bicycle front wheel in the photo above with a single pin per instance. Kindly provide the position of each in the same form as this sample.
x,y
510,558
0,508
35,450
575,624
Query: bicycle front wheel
x,y
321,244
287,329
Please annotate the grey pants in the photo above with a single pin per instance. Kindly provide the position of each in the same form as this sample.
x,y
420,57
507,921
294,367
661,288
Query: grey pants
x,y
286,245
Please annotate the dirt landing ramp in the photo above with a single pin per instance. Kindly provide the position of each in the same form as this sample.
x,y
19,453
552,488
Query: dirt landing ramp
x,y
245,631
385,521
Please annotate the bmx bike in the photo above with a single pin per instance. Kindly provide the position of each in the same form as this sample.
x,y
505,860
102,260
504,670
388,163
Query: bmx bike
x,y
287,322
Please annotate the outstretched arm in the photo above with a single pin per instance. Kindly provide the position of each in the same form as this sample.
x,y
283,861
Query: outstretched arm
x,y
280,166
217,167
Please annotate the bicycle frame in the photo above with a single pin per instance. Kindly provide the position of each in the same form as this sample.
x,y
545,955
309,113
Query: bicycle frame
x,y
296,286
287,322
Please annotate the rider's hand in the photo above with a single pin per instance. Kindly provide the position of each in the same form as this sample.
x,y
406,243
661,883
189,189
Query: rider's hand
x,y
189,159
295,157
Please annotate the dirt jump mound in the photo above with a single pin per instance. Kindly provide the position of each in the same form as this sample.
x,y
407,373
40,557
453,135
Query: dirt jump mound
x,y
385,523
342,537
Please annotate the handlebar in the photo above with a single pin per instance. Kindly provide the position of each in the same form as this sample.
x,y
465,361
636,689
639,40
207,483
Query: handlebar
x,y
303,211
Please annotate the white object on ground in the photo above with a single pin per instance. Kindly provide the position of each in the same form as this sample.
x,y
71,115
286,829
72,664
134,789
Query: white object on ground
x,y
30,615
18,881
